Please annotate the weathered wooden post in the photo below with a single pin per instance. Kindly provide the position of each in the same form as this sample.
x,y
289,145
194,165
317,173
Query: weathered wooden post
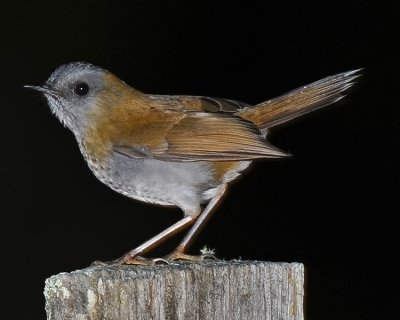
x,y
253,290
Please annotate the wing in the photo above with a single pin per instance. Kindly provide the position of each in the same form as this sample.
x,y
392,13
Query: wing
x,y
206,129
198,104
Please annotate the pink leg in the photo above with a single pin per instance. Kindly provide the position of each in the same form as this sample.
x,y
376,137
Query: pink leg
x,y
197,220
204,217
129,258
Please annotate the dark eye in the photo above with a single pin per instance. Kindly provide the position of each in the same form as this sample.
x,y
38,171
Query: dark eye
x,y
81,89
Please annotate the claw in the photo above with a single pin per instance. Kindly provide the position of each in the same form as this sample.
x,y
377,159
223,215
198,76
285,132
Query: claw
x,y
138,261
209,257
141,261
100,263
180,256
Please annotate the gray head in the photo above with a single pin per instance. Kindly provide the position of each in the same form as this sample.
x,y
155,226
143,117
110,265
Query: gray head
x,y
71,92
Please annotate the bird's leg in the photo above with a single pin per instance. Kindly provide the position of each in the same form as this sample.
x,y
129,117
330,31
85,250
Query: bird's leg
x,y
179,252
197,220
132,256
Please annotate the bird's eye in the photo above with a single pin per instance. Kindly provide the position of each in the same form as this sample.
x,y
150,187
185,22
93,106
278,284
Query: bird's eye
x,y
81,89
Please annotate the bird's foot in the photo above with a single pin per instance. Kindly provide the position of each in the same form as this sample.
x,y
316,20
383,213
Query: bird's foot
x,y
176,255
126,260
141,261
180,256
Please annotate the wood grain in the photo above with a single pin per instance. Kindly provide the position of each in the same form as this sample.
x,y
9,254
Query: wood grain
x,y
208,290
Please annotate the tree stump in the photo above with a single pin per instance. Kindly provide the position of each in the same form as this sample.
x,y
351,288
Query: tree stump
x,y
209,290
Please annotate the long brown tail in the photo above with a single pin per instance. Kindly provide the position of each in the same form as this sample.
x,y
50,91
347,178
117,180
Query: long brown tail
x,y
300,101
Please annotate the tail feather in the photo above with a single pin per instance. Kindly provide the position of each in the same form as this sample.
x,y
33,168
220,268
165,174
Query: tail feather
x,y
300,101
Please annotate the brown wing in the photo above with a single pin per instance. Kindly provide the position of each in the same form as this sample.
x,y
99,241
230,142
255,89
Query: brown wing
x,y
203,136
198,103
208,130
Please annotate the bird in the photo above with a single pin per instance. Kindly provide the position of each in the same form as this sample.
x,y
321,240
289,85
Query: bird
x,y
173,150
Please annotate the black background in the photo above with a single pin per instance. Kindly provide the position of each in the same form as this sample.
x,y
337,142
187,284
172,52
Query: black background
x,y
332,206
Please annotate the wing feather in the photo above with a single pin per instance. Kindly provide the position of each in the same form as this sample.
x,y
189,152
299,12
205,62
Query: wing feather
x,y
208,136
